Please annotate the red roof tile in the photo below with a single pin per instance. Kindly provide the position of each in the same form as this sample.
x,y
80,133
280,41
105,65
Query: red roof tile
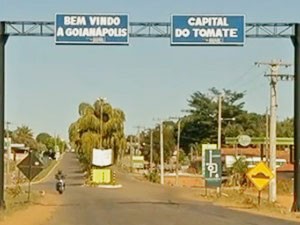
x,y
286,168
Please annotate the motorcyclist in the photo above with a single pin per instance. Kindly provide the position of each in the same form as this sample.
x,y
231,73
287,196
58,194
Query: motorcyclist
x,y
60,177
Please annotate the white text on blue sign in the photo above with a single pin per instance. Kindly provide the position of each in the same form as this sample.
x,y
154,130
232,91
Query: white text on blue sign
x,y
92,29
208,30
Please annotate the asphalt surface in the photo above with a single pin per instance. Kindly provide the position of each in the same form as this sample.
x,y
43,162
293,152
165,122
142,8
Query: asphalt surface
x,y
137,203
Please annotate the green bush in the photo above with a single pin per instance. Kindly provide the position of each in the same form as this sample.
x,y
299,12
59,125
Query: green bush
x,y
153,176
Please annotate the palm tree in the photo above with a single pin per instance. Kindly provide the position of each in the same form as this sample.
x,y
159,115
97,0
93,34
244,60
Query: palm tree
x,y
24,132
24,135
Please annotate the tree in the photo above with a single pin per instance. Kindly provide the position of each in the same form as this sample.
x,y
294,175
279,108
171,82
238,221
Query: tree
x,y
96,122
45,139
24,135
285,128
200,125
169,142
24,132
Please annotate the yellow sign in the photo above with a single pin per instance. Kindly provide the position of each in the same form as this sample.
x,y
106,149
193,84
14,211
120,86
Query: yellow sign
x,y
101,176
260,175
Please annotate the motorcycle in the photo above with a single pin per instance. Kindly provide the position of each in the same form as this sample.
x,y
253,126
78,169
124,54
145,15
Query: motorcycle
x,y
60,186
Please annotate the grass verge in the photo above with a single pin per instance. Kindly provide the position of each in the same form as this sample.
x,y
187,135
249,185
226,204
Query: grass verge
x,y
16,197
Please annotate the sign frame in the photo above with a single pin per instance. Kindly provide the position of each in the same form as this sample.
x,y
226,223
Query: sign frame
x,y
91,42
207,43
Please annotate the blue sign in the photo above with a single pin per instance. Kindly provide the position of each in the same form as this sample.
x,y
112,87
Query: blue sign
x,y
103,29
207,30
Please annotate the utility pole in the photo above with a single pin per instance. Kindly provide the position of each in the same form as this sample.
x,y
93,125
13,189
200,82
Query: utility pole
x,y
151,149
267,137
219,122
101,124
161,153
219,130
161,124
296,43
178,150
3,39
178,147
274,77
131,154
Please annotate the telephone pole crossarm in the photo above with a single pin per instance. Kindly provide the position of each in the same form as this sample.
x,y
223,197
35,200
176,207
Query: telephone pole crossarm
x,y
283,77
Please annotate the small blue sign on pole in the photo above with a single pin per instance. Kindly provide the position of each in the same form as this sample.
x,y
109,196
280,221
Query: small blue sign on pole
x,y
207,30
101,29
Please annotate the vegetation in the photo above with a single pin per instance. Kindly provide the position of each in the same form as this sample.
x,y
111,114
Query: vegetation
x,y
43,143
100,121
200,124
237,174
96,123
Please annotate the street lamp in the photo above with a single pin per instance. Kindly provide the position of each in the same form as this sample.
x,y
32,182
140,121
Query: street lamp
x,y
220,119
101,100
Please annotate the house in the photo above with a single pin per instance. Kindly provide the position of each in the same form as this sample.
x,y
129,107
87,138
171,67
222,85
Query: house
x,y
17,151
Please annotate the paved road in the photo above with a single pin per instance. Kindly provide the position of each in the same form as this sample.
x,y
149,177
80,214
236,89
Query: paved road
x,y
138,203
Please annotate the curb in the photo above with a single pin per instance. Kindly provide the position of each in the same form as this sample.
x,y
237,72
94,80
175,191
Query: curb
x,y
110,186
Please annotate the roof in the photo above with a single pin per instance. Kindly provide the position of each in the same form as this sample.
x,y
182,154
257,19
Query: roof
x,y
244,151
286,168
253,152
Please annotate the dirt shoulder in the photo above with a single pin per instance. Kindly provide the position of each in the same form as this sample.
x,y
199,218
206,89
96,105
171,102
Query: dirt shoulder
x,y
234,199
38,212
243,201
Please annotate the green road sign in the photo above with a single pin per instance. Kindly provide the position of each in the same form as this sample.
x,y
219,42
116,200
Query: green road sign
x,y
31,166
261,140
213,168
206,147
138,162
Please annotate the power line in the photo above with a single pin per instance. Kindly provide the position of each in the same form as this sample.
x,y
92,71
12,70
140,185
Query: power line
x,y
235,82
